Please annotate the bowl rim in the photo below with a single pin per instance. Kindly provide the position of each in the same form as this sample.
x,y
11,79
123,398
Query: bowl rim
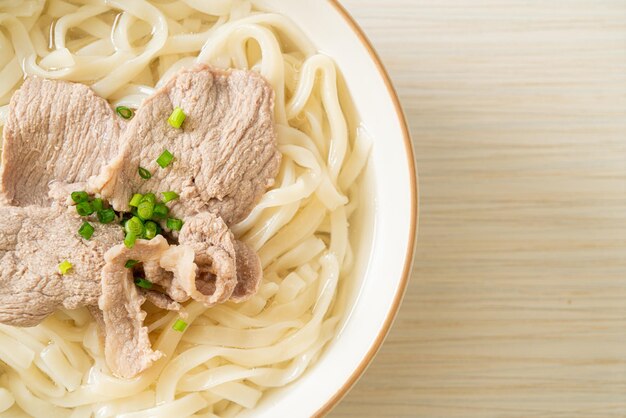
x,y
413,178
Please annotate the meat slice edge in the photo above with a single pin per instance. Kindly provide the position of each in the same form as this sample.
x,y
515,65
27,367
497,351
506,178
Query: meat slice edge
x,y
214,247
127,347
249,272
228,269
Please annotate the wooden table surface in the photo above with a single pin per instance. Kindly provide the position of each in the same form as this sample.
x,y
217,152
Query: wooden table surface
x,y
517,304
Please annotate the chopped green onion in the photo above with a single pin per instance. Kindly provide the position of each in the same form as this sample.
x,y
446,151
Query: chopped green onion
x,y
131,263
144,174
124,112
179,325
129,241
106,216
125,217
145,210
79,197
165,159
174,224
136,200
134,226
65,267
160,211
84,209
151,230
149,197
97,204
143,283
177,118
86,230
169,196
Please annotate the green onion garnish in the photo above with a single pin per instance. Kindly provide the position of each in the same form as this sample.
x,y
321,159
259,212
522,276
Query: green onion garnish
x,y
160,211
149,197
136,200
144,174
84,209
143,283
79,197
106,216
129,241
134,226
65,267
131,263
145,210
124,112
86,230
165,159
179,325
97,204
151,230
169,196
174,224
177,118
125,217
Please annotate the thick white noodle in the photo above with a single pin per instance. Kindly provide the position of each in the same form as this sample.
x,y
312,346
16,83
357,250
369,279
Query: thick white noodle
x,y
230,354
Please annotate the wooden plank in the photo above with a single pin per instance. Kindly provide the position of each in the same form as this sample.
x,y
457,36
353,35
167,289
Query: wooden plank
x,y
517,306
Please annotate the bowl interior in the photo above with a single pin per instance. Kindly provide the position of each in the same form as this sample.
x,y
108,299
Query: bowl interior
x,y
384,230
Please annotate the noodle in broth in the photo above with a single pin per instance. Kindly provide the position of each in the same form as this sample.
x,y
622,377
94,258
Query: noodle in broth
x,y
230,354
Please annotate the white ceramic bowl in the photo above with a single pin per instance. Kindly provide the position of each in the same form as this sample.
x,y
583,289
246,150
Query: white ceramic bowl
x,y
384,261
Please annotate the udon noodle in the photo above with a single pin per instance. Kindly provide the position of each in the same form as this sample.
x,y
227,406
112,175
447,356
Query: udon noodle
x,y
231,354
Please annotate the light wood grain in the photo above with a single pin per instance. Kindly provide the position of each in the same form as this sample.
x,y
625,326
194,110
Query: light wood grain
x,y
517,306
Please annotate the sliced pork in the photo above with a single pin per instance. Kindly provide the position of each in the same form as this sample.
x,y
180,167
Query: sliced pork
x,y
60,137
226,154
226,267
127,347
33,242
55,131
